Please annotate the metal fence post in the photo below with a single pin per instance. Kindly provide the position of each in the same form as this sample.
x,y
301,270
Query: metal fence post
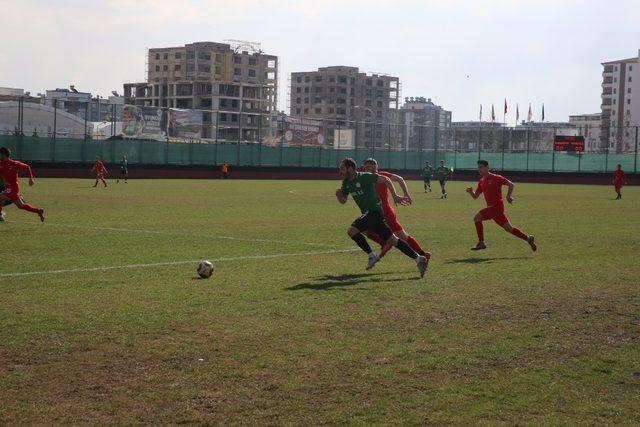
x,y
606,159
239,138
553,151
260,141
420,147
55,130
406,146
355,142
282,139
528,140
84,139
480,141
503,141
455,150
635,159
373,140
389,146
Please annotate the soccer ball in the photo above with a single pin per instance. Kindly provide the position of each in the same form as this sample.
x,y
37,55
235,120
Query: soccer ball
x,y
205,269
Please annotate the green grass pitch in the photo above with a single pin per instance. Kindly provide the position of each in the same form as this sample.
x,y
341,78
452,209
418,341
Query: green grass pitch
x,y
290,330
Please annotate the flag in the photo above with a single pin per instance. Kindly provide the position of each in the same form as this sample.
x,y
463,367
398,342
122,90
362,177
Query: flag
x,y
493,114
543,111
480,112
529,116
517,114
505,106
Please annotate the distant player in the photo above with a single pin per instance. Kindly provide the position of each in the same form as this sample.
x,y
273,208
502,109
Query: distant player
x,y
124,169
361,186
427,173
619,179
100,170
9,170
390,215
225,170
442,173
491,186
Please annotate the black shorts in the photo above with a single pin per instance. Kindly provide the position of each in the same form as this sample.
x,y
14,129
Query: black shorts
x,y
124,171
442,182
427,180
374,221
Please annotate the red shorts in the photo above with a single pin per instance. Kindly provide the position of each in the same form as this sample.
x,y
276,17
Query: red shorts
x,y
12,193
392,221
617,185
100,175
495,213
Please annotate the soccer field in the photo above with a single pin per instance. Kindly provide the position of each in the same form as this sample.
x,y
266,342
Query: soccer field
x,y
103,320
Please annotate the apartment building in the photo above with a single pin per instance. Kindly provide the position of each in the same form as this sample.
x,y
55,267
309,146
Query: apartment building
x,y
620,103
235,84
423,121
345,98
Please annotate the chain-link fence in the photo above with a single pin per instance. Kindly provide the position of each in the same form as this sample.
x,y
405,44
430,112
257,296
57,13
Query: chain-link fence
x,y
243,136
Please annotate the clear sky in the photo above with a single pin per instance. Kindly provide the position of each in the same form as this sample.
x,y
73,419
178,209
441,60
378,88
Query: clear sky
x,y
459,53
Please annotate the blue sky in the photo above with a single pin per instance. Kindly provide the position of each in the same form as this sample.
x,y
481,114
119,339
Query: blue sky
x,y
459,53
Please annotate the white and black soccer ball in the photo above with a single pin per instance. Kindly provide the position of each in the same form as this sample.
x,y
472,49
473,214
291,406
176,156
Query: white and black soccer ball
x,y
205,269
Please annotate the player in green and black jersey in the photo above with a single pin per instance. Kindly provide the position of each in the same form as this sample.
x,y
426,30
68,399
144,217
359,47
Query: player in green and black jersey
x,y
442,174
427,173
362,187
124,169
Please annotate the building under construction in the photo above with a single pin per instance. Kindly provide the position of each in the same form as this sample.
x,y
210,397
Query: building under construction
x,y
234,83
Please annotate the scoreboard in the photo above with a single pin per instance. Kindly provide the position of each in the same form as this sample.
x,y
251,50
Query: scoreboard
x,y
568,143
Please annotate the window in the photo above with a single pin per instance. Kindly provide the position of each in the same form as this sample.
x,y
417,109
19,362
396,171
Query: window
x,y
237,72
379,114
317,100
330,110
298,100
306,100
318,89
298,89
252,73
252,61
615,68
218,69
332,79
369,82
299,79
223,117
177,67
629,79
614,101
177,55
630,68
332,90
237,59
628,102
234,118
343,90
306,89
380,83
307,79
165,68
342,101
157,68
318,110
367,102
342,80
614,90
379,104
306,111
615,79
318,79
342,111
628,90
165,56
297,111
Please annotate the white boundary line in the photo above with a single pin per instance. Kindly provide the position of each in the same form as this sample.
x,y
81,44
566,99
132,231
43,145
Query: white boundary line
x,y
161,264
130,230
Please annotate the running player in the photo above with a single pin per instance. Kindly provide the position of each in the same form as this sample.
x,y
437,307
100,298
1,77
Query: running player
x,y
225,170
100,170
427,173
491,186
361,186
390,215
442,173
9,170
2,217
124,169
619,179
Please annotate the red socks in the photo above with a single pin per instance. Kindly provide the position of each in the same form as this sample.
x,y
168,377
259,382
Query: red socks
x,y
519,233
480,231
413,243
27,207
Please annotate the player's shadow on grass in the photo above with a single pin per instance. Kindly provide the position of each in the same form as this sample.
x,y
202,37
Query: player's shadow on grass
x,y
475,260
327,282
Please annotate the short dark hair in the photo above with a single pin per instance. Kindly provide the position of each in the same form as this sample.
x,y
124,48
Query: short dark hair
x,y
5,151
349,162
483,163
370,161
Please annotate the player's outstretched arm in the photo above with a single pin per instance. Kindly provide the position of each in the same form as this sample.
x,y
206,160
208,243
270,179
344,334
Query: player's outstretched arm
x,y
400,180
511,185
396,198
27,168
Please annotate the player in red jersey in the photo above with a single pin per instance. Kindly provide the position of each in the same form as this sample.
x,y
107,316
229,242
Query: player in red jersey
x,y
491,186
390,215
9,170
619,179
100,170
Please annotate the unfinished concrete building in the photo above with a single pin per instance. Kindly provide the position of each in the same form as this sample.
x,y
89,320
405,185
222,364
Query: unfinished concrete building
x,y
235,83
343,97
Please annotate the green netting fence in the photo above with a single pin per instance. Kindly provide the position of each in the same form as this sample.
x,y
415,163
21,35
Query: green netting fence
x,y
61,150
